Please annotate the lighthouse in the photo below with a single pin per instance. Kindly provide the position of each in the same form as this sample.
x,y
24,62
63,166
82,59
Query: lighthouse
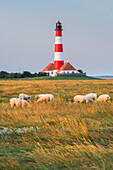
x,y
58,53
58,67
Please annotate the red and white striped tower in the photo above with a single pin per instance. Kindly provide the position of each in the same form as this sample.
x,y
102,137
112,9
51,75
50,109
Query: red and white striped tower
x,y
58,56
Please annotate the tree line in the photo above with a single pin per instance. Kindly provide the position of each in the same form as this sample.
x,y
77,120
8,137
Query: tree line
x,y
25,74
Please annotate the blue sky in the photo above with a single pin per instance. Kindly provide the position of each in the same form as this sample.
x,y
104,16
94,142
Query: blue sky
x,y
27,34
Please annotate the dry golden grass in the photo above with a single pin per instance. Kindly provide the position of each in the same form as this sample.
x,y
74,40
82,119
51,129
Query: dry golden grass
x,y
70,137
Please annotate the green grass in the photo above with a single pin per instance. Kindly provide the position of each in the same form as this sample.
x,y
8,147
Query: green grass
x,y
56,78
4,100
62,78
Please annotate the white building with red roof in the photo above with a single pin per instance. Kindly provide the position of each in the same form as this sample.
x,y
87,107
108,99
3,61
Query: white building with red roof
x,y
59,67
67,68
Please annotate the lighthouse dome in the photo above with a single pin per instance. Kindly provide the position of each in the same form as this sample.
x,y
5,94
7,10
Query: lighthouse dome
x,y
58,25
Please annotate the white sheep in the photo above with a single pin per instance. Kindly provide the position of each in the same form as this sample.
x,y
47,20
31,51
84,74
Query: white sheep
x,y
43,95
93,96
24,96
45,98
103,98
18,102
82,99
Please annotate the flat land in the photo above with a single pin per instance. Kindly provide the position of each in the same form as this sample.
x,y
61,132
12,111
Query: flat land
x,y
70,136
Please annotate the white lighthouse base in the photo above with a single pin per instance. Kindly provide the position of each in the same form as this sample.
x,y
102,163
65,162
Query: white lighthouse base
x,y
54,73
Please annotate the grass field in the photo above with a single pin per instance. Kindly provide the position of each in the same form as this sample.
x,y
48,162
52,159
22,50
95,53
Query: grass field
x,y
62,78
70,136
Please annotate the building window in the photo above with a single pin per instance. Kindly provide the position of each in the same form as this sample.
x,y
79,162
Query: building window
x,y
72,72
67,72
52,72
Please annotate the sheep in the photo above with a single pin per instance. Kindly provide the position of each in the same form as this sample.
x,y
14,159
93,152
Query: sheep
x,y
15,102
103,98
44,98
42,95
24,96
18,102
93,96
82,99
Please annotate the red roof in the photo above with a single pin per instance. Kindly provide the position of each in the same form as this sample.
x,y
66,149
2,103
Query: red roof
x,y
49,67
66,66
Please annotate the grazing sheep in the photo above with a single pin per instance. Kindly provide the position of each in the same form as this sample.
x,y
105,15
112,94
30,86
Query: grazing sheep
x,y
82,99
18,102
43,95
93,96
15,102
103,98
43,99
24,97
